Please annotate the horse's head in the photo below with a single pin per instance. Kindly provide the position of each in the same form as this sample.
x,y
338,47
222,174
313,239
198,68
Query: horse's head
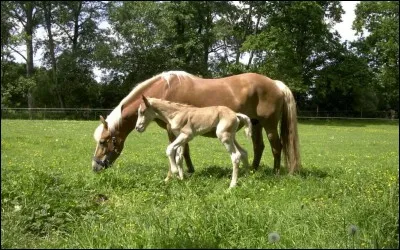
x,y
109,146
145,115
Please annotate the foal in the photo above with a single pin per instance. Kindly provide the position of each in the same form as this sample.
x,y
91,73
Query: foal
x,y
187,121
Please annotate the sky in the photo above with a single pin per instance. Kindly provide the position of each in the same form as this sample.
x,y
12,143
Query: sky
x,y
344,29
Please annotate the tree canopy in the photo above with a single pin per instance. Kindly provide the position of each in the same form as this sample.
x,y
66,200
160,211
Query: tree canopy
x,y
131,41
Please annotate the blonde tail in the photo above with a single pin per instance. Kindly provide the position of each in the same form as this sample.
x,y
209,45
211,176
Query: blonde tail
x,y
247,123
289,134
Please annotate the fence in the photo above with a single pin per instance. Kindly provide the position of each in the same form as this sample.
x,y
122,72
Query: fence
x,y
93,114
54,113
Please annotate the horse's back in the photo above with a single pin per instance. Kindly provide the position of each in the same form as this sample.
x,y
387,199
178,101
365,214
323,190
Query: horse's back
x,y
253,94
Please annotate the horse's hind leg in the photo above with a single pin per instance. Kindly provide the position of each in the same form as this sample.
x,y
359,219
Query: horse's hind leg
x,y
258,143
276,146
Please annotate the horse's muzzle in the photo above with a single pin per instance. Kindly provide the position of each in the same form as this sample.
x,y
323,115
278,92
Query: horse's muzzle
x,y
140,129
98,165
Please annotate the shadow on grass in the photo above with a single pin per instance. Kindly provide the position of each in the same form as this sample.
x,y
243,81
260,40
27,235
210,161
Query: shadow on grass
x,y
215,171
347,123
304,172
316,173
266,171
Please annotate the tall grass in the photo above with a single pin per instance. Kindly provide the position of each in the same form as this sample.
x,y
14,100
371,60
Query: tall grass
x,y
346,196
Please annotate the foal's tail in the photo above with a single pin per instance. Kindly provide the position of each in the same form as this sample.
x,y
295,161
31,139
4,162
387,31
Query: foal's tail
x,y
289,135
247,123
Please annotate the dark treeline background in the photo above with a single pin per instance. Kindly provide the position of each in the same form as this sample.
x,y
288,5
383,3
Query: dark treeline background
x,y
285,40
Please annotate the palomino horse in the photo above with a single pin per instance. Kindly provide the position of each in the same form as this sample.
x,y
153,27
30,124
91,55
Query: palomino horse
x,y
186,122
264,100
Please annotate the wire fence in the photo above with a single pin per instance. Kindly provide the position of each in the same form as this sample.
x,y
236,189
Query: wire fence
x,y
94,113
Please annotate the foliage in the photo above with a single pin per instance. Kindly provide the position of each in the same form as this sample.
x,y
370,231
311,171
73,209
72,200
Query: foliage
x,y
346,195
132,41
15,85
381,47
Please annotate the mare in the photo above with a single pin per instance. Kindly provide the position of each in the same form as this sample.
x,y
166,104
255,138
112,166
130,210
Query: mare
x,y
186,122
266,101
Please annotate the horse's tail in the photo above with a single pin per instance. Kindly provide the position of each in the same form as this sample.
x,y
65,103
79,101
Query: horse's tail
x,y
289,135
247,123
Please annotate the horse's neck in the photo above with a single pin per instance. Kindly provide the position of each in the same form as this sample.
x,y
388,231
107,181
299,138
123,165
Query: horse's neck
x,y
129,112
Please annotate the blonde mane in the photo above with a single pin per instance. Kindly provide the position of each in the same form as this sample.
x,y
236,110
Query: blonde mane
x,y
114,118
165,102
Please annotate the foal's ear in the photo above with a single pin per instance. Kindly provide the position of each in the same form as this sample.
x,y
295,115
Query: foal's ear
x,y
146,102
104,122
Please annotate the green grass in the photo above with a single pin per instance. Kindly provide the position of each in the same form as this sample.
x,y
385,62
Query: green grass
x,y
48,196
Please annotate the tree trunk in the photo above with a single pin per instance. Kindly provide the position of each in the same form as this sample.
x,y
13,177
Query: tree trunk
x,y
206,45
47,14
255,32
29,51
76,28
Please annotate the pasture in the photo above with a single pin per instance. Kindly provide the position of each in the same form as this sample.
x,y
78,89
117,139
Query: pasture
x,y
346,196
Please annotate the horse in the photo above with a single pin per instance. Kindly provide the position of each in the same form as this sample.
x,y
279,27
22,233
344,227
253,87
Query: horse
x,y
264,100
186,122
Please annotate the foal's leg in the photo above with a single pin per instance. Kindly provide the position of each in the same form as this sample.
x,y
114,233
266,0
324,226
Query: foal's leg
x,y
179,160
171,150
228,141
171,138
186,151
243,155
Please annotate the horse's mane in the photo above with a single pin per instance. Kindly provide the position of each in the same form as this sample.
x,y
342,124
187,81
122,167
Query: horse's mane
x,y
141,86
114,118
179,105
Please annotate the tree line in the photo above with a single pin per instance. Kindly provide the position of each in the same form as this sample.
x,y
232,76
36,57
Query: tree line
x,y
292,41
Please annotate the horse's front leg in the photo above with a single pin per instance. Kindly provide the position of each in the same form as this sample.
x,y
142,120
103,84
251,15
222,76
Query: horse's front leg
x,y
188,160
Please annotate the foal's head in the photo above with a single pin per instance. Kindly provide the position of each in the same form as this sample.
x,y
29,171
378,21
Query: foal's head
x,y
109,146
146,114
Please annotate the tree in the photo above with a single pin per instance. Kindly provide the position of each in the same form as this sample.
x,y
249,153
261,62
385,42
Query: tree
x,y
345,82
381,46
48,8
292,43
76,29
26,14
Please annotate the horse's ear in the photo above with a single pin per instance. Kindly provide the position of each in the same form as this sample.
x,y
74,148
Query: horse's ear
x,y
104,122
146,102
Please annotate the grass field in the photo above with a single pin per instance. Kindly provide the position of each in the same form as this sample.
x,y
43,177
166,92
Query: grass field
x,y
346,196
